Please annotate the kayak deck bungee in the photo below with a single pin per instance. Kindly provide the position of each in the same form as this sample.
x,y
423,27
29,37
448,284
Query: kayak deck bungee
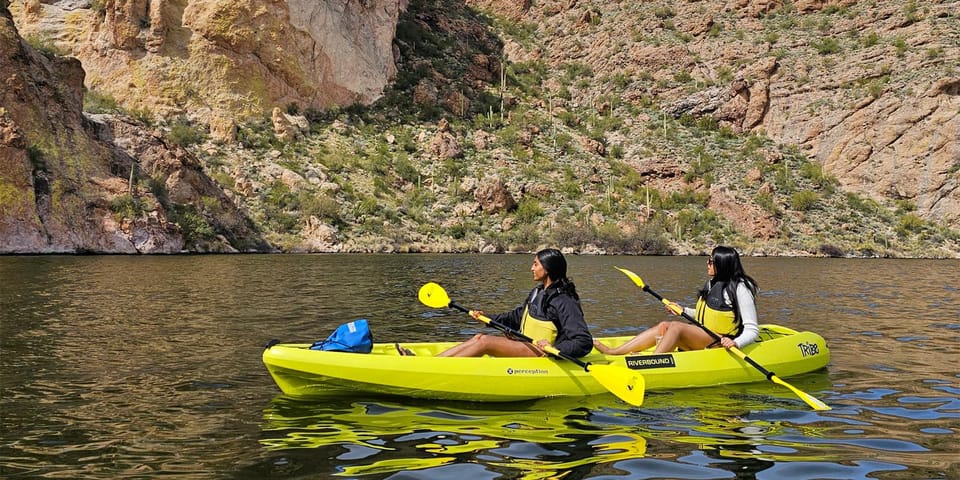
x,y
301,372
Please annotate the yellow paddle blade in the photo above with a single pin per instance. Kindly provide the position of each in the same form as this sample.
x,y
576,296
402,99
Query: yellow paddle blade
x,y
633,276
806,397
433,296
626,384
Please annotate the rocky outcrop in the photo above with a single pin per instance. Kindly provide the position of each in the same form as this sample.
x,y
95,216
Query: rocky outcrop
x,y
899,148
49,164
748,218
72,184
181,185
493,196
209,59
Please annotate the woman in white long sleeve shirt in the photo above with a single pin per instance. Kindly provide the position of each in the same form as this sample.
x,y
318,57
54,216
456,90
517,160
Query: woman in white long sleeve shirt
x,y
726,306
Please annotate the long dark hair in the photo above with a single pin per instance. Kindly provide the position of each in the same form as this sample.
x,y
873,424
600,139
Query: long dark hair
x,y
555,264
728,271
727,268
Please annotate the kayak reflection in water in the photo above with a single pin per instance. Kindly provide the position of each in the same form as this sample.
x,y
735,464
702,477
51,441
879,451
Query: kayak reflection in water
x,y
551,314
726,305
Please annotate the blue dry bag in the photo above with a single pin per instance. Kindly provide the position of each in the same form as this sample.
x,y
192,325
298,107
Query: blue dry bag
x,y
349,337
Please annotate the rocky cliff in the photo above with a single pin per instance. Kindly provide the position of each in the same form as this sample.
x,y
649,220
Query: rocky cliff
x,y
218,61
72,183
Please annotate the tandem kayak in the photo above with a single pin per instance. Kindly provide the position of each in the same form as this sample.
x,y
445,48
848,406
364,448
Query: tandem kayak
x,y
302,372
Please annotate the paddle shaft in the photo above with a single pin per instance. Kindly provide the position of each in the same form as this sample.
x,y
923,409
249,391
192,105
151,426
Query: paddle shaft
x,y
513,333
712,334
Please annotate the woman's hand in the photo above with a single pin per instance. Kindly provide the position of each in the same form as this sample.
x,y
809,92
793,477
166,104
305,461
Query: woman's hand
x,y
476,314
727,342
541,345
673,308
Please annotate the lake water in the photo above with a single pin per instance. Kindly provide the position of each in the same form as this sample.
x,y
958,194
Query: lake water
x,y
142,367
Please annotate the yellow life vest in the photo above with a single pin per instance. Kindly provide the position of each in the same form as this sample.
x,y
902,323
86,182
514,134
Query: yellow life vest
x,y
537,329
714,313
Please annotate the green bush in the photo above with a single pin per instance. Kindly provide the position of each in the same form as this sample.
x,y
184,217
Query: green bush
x,y
910,223
183,133
804,200
126,206
45,44
861,204
900,44
96,102
524,237
767,203
321,206
528,210
192,223
826,46
871,39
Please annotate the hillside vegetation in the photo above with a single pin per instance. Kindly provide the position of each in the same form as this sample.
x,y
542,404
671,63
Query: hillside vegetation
x,y
510,129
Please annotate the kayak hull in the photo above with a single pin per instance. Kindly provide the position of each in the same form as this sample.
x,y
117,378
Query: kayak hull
x,y
301,372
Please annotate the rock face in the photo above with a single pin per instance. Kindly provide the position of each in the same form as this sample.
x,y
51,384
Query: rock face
x,y
233,58
869,90
69,183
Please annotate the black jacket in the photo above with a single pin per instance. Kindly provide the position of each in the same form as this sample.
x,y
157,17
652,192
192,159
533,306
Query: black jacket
x,y
573,337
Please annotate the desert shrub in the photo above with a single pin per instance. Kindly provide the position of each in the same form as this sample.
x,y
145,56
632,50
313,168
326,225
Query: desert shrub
x,y
320,205
193,224
183,133
96,102
909,223
127,206
528,210
826,46
804,200
45,44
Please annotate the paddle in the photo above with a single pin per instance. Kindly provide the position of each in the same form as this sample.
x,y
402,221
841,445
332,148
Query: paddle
x,y
812,401
620,381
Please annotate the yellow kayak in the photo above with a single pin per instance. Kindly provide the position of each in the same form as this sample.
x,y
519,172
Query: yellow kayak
x,y
301,372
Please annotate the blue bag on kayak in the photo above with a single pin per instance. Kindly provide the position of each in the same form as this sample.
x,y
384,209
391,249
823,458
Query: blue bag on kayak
x,y
353,337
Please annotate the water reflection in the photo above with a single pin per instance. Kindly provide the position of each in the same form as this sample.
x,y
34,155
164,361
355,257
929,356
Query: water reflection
x,y
727,429
538,439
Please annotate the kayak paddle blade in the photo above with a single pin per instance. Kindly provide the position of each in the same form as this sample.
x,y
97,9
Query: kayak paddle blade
x,y
633,276
806,397
627,385
433,296
814,402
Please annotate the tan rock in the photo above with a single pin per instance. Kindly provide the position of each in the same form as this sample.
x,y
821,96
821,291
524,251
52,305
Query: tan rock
x,y
244,56
444,145
319,236
493,196
288,127
425,93
748,217
223,128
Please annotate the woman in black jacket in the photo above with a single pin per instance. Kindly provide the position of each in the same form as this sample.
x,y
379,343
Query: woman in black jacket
x,y
551,315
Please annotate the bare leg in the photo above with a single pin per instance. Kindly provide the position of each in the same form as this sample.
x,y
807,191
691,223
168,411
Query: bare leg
x,y
685,336
643,341
482,344
455,350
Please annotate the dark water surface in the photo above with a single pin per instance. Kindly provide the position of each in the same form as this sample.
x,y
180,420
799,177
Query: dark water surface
x,y
141,367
